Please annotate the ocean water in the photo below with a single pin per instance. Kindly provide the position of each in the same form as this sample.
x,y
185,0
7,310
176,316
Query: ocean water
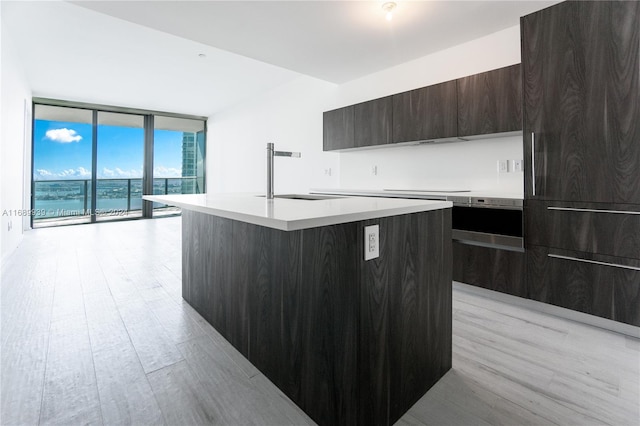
x,y
45,209
62,198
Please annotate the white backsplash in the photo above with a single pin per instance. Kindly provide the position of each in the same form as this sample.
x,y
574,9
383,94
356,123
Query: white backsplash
x,y
470,165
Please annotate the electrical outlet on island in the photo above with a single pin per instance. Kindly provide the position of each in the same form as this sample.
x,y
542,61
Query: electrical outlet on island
x,y
371,242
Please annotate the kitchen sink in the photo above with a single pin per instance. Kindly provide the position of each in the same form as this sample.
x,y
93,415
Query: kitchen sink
x,y
306,197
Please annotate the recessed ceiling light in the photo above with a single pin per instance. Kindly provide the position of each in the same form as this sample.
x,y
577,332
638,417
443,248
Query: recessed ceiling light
x,y
388,7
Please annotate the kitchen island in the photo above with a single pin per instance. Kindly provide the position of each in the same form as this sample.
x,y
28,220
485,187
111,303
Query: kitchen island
x,y
285,281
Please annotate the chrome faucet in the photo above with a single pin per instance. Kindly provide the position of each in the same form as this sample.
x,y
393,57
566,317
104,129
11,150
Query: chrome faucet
x,y
270,154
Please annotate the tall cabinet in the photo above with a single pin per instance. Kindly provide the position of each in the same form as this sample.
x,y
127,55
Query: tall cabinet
x,y
581,90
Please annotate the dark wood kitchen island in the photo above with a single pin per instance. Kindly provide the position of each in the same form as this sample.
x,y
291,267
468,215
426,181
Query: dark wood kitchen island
x,y
285,281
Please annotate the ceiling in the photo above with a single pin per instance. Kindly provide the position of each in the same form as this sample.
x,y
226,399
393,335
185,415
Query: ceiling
x,y
72,53
336,41
145,54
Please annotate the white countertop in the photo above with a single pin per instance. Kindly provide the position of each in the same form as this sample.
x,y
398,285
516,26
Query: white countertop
x,y
395,193
291,215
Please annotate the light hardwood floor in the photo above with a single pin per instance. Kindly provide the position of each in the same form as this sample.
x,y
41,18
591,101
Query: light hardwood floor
x,y
94,331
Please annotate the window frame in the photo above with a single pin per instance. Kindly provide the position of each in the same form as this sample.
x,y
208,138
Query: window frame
x,y
149,115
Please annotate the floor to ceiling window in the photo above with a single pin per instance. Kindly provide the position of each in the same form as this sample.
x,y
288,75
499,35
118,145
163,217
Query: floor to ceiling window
x,y
120,158
62,164
178,157
94,163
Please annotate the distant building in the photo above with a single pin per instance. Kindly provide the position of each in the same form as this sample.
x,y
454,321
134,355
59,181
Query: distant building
x,y
192,166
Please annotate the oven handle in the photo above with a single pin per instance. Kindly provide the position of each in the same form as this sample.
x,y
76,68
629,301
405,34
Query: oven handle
x,y
596,262
483,239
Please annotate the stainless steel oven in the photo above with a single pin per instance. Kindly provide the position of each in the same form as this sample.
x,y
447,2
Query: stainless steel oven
x,y
488,222
481,221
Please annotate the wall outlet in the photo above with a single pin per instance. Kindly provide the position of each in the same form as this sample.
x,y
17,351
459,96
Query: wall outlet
x,y
503,166
371,242
327,172
374,170
516,166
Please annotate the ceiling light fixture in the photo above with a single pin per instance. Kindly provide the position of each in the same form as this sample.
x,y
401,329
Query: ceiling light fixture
x,y
388,7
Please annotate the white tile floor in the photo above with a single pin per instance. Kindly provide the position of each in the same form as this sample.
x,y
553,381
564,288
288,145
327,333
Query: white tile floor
x,y
94,331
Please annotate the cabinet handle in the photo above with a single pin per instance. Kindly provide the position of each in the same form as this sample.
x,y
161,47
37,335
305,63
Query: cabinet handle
x,y
576,209
533,163
615,265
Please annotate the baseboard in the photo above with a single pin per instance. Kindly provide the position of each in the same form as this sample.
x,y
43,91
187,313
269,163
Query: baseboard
x,y
607,324
7,255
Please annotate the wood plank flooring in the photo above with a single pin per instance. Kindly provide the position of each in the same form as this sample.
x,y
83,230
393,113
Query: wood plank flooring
x,y
94,331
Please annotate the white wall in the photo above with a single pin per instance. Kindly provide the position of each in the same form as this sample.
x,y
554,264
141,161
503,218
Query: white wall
x,y
291,116
468,165
15,146
464,165
486,53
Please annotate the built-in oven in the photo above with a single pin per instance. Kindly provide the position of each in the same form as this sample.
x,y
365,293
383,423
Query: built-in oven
x,y
481,221
488,222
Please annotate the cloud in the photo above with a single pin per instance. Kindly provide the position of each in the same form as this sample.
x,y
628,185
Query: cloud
x,y
77,173
119,173
164,172
63,135
80,172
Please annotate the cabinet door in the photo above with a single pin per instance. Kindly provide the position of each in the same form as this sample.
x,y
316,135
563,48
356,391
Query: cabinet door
x,y
604,286
373,122
494,269
490,102
608,229
427,113
581,75
338,129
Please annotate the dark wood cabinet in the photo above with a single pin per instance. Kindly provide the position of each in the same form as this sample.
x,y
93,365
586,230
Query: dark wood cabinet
x,y
427,113
490,102
356,126
338,129
581,103
604,286
581,71
349,341
404,331
372,122
419,330
490,268
609,229
481,104
329,327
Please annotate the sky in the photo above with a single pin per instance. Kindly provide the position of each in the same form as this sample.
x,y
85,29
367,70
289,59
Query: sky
x,y
62,150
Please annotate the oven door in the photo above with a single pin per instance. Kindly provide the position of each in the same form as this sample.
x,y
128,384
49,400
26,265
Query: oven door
x,y
486,226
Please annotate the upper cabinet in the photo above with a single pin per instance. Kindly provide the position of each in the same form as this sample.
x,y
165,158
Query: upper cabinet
x,y
482,104
426,113
490,102
372,122
338,130
357,126
581,68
